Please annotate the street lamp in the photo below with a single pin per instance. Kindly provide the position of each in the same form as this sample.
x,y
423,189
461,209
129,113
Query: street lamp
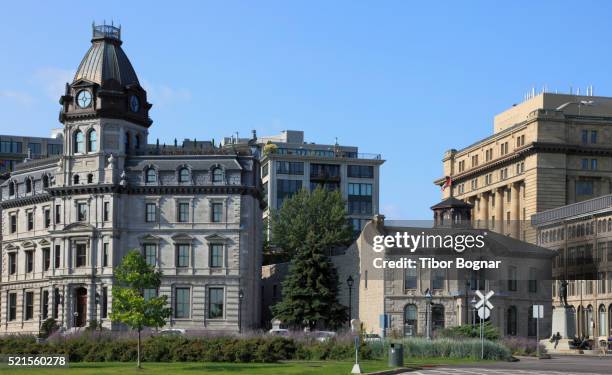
x,y
240,297
428,298
349,283
76,315
473,303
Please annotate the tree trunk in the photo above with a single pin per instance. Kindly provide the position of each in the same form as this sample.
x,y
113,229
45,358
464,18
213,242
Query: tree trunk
x,y
138,360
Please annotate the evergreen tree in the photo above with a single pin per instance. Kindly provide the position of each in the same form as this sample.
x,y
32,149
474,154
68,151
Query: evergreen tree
x,y
308,227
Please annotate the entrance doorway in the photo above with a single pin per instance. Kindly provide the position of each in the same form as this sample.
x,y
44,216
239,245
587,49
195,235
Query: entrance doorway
x,y
81,307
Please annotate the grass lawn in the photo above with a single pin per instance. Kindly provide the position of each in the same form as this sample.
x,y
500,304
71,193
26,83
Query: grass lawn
x,y
194,368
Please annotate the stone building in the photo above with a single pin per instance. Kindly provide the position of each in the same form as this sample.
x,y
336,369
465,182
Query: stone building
x,y
400,293
293,164
546,152
195,213
581,236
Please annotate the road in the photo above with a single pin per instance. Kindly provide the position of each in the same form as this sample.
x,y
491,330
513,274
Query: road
x,y
558,365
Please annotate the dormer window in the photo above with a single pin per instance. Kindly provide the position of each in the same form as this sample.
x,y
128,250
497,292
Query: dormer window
x,y
92,141
150,176
28,184
76,179
11,188
79,142
217,175
45,181
184,175
137,142
90,178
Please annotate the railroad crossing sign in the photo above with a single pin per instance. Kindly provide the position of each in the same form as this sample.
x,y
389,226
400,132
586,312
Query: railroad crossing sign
x,y
484,306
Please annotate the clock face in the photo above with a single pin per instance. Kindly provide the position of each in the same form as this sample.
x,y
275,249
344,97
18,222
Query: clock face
x,y
84,98
134,103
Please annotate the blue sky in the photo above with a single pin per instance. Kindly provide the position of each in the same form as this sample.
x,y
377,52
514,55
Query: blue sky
x,y
405,79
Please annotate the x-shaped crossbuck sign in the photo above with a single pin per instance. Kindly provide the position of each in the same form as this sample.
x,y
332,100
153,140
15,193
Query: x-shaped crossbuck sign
x,y
484,298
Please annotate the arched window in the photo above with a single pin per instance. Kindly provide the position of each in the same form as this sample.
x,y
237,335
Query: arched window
x,y
90,178
437,317
602,321
75,179
410,320
184,174
217,175
45,181
92,141
28,184
79,142
511,321
11,188
150,176
589,320
137,142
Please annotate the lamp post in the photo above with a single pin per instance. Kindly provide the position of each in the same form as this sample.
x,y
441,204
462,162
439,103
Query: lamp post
x,y
349,283
428,298
240,297
75,315
473,303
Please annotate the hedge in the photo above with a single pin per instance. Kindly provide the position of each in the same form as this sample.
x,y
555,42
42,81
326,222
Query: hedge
x,y
91,347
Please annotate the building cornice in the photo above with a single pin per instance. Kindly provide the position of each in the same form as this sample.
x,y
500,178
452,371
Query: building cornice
x,y
535,147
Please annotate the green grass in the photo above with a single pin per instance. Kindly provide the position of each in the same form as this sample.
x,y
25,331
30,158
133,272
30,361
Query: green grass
x,y
194,368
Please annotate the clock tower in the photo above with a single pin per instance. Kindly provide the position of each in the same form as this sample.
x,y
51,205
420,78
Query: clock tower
x,y
104,111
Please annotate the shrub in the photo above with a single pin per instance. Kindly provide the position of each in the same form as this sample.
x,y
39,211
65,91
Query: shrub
x,y
470,331
522,346
48,327
450,348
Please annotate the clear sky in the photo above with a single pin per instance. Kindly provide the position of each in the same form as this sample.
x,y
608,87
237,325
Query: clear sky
x,y
408,79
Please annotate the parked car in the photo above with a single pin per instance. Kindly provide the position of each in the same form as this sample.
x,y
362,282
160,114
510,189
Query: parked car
x,y
278,332
172,332
322,336
372,337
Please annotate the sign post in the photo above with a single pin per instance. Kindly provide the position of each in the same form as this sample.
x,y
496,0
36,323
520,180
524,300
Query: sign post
x,y
484,307
538,313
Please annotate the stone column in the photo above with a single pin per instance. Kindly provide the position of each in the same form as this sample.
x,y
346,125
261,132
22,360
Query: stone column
x,y
515,209
499,210
484,209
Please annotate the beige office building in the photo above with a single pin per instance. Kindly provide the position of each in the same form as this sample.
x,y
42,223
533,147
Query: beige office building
x,y
548,151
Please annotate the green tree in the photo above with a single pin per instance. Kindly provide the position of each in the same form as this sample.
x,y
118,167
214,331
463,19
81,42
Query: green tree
x,y
308,227
130,307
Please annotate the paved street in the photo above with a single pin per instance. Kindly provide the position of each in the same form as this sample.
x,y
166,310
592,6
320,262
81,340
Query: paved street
x,y
566,365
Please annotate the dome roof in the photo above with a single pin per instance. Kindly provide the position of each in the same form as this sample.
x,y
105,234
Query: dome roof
x,y
105,59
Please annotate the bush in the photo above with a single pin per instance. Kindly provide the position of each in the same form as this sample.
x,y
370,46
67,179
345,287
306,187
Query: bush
x,y
48,327
470,331
451,348
522,346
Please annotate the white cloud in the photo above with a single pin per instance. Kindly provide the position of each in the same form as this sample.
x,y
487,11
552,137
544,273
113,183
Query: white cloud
x,y
18,96
52,80
162,95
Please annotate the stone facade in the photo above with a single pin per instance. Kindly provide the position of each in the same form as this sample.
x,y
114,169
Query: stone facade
x,y
581,235
391,292
67,221
546,152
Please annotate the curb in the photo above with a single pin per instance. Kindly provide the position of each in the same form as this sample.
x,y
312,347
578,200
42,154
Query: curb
x,y
390,372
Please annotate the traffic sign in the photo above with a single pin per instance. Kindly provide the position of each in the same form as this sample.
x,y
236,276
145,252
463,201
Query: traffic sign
x,y
538,311
484,306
